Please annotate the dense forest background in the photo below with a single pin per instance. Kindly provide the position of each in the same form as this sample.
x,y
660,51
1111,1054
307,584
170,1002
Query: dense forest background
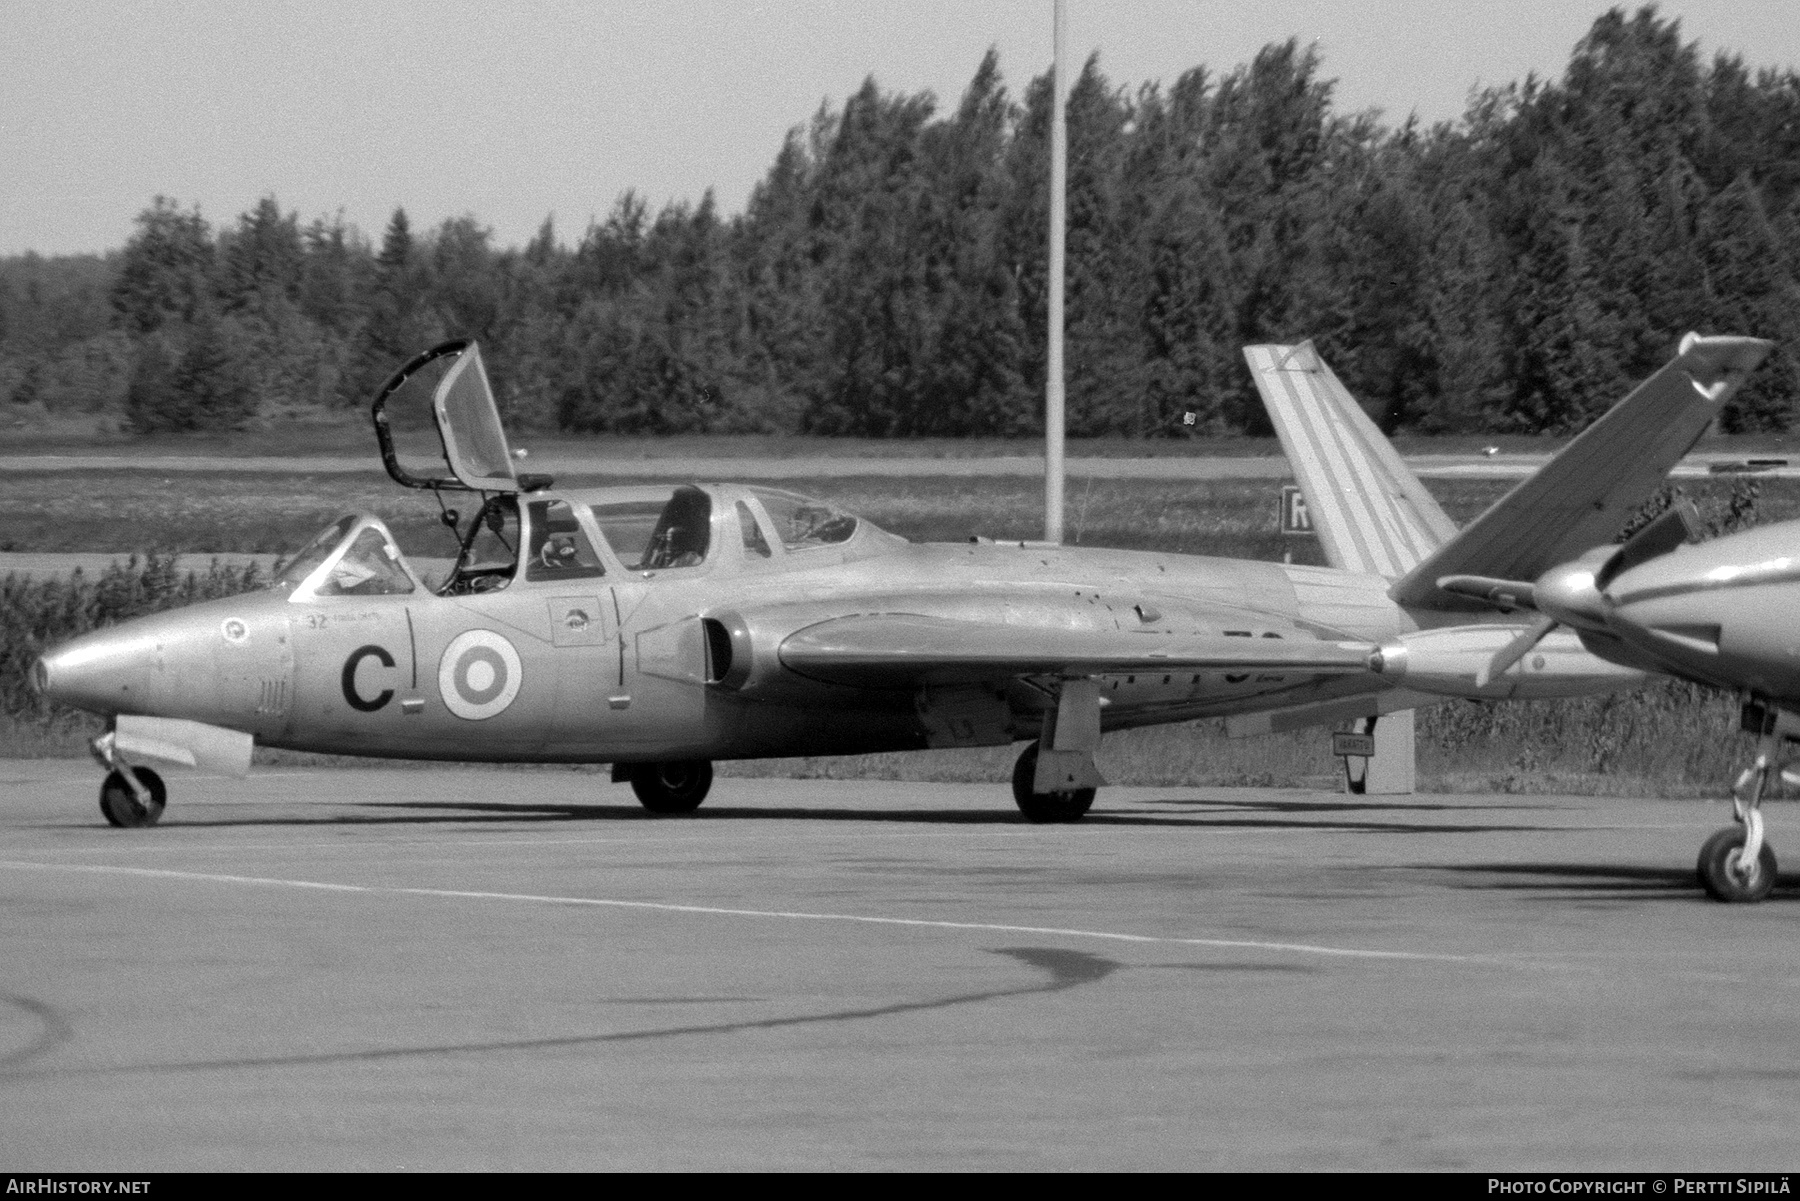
x,y
1515,270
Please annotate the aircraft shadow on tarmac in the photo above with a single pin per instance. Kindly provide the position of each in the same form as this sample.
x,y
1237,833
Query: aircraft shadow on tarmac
x,y
53,1030
1062,969
1618,881
1275,814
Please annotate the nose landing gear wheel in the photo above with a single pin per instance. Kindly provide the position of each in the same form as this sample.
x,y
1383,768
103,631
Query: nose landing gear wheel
x,y
677,787
122,809
1046,806
1723,874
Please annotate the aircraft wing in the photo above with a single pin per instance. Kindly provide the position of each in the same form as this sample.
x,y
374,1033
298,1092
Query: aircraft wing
x,y
1582,497
896,649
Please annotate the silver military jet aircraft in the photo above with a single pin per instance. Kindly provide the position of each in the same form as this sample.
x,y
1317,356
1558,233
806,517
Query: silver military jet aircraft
x,y
1715,613
661,628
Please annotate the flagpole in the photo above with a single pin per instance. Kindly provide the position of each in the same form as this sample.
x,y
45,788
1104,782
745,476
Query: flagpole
x,y
1053,376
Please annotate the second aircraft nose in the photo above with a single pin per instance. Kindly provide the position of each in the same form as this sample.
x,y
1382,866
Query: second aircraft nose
x,y
1569,594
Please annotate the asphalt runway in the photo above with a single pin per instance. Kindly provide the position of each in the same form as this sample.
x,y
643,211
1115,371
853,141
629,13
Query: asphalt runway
x,y
505,969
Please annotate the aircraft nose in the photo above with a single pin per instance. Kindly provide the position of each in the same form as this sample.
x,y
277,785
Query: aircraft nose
x,y
101,672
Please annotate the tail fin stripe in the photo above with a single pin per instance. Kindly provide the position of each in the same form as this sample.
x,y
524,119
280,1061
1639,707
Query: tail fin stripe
x,y
1344,538
1395,538
1320,435
1371,513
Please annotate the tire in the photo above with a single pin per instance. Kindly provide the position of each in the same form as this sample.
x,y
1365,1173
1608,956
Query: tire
x,y
1046,806
676,787
122,809
1720,876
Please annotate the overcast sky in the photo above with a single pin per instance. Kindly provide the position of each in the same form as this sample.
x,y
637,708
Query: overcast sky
x,y
512,111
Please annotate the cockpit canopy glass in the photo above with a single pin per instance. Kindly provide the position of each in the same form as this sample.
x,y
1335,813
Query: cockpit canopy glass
x,y
659,534
803,522
754,542
354,556
370,566
293,573
559,550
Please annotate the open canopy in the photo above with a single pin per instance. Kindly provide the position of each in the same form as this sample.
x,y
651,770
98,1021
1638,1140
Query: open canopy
x,y
474,442
468,424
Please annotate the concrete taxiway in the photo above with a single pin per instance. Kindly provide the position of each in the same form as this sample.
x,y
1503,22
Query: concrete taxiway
x,y
417,969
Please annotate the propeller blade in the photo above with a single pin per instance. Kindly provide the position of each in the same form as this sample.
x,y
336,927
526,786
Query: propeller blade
x,y
1675,525
1515,650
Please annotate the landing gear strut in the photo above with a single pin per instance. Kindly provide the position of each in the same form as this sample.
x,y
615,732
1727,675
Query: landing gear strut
x,y
130,795
1735,863
1064,806
676,787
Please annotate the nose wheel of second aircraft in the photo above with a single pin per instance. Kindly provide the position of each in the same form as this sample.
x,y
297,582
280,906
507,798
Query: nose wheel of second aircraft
x,y
1724,872
1736,864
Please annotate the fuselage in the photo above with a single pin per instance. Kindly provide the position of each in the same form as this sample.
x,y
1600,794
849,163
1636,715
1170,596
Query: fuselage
x,y
646,624
617,661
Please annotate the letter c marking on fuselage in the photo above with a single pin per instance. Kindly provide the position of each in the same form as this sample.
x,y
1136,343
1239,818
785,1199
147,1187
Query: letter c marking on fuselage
x,y
350,666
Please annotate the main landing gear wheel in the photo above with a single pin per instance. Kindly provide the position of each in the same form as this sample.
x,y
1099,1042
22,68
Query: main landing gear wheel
x,y
672,787
1724,874
123,809
1046,806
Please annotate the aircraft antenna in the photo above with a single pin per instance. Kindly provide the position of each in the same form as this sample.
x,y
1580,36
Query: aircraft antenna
x,y
1053,375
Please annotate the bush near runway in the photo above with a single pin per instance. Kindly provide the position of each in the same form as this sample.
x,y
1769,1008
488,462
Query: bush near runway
x,y
1667,739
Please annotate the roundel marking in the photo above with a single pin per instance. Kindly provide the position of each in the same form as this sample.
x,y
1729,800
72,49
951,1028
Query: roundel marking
x,y
479,675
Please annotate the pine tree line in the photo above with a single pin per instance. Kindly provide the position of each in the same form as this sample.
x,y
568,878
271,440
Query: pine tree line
x,y
1515,270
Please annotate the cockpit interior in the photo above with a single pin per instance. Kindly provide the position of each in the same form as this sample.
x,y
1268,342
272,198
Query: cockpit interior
x,y
652,532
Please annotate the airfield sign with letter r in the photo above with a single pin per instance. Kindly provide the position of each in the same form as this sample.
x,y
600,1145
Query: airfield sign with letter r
x,y
1294,516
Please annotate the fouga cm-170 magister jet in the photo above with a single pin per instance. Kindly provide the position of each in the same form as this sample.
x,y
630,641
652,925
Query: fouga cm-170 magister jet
x,y
659,629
